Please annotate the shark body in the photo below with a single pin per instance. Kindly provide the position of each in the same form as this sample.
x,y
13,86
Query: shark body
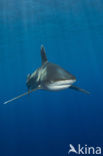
x,y
51,77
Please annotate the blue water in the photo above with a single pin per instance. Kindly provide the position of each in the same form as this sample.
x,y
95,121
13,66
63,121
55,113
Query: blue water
x,y
45,123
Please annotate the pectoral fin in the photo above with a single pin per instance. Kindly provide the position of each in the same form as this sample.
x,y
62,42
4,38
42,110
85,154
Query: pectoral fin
x,y
79,89
18,97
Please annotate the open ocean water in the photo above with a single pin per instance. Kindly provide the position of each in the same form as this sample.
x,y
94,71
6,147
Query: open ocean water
x,y
45,123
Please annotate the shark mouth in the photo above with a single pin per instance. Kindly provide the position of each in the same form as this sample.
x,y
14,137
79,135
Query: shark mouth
x,y
59,85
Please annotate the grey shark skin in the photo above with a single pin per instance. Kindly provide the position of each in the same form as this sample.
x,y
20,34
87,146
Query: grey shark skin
x,y
48,77
51,77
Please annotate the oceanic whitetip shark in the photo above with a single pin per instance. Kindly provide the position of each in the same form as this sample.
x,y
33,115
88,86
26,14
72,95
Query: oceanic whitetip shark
x,y
49,77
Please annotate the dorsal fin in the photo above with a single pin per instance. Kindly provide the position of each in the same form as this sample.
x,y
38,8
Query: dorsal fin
x,y
43,55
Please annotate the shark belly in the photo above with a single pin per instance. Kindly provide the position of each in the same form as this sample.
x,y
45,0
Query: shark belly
x,y
59,85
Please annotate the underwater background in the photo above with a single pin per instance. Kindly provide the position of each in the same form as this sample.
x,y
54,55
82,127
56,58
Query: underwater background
x,y
45,123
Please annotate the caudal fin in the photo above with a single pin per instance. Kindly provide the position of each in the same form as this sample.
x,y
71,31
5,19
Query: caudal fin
x,y
79,89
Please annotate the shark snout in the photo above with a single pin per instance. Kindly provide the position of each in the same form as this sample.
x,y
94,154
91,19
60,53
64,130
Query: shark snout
x,y
60,84
72,79
69,81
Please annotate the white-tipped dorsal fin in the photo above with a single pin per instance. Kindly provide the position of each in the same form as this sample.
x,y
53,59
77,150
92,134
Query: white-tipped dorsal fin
x,y
43,55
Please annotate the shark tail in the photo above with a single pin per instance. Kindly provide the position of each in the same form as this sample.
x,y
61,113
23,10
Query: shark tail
x,y
79,89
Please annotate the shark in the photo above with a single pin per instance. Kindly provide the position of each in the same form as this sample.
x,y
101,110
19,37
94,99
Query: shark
x,y
49,76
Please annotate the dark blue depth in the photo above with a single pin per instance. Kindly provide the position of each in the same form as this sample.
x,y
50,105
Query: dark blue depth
x,y
45,123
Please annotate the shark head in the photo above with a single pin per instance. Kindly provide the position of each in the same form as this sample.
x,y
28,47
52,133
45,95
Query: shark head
x,y
53,77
